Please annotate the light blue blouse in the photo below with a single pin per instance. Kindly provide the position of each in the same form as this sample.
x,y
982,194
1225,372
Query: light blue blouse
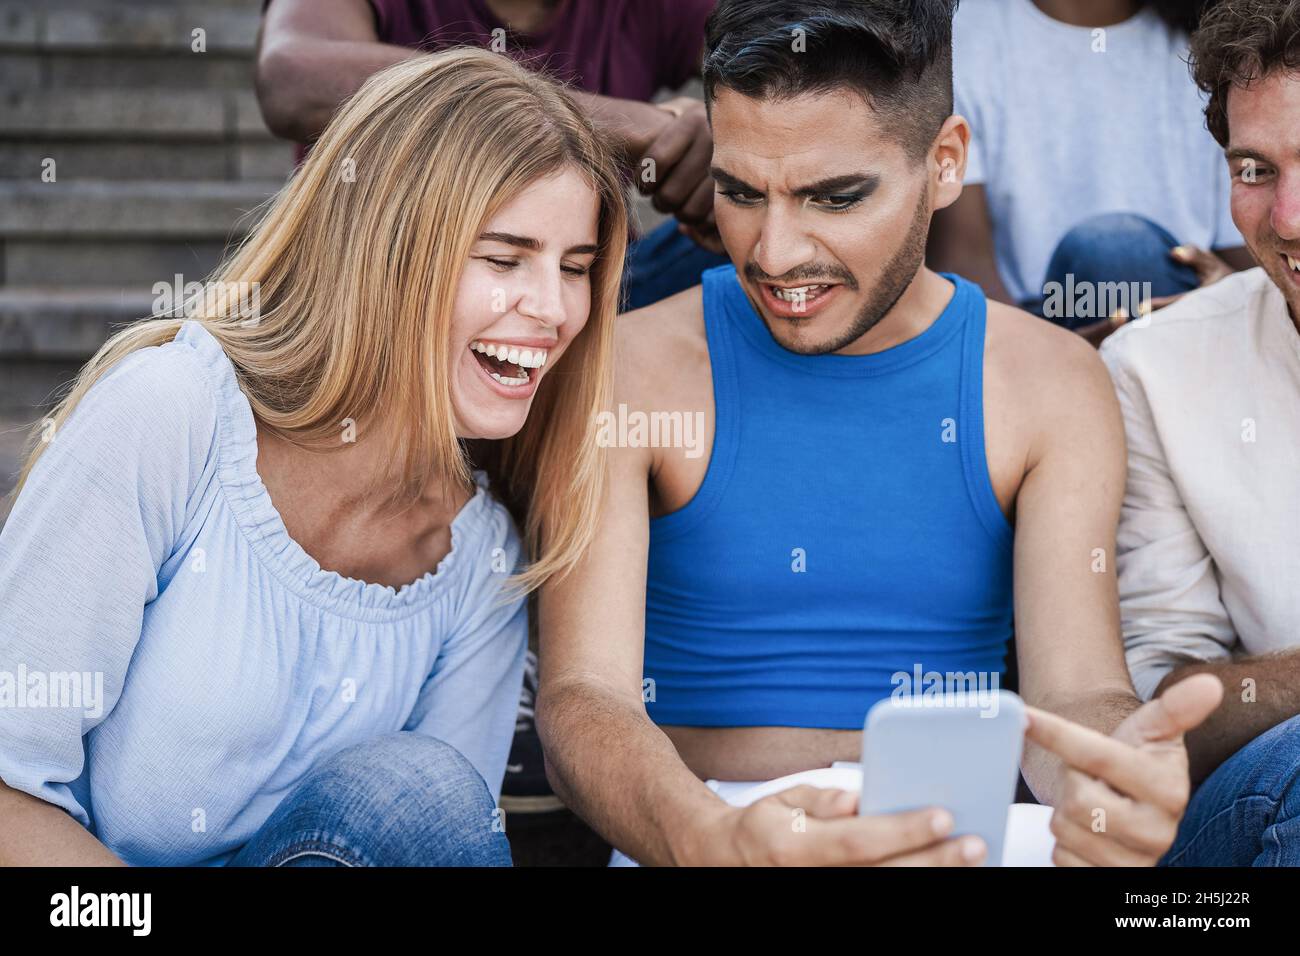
x,y
144,556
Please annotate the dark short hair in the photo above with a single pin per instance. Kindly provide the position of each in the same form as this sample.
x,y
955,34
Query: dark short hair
x,y
1237,43
896,53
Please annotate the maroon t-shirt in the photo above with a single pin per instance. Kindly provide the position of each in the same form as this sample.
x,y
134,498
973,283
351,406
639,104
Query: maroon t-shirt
x,y
629,49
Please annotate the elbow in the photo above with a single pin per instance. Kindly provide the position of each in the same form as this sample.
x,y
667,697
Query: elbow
x,y
281,79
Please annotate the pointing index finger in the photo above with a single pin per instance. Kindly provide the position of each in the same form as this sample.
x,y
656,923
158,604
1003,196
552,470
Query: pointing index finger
x,y
1089,751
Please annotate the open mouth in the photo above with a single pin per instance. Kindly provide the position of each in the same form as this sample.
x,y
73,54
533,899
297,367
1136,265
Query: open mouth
x,y
510,365
799,294
795,302
1291,261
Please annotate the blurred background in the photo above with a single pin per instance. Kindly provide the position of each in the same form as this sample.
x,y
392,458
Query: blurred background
x,y
126,157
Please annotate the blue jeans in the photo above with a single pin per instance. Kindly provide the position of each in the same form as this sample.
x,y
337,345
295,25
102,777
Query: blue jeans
x,y
1115,247
1246,813
400,799
663,262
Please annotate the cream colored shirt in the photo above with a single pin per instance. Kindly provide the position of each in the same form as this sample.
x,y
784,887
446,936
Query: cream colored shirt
x,y
1209,536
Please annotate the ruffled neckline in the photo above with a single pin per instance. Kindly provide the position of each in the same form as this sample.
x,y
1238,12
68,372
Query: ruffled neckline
x,y
266,532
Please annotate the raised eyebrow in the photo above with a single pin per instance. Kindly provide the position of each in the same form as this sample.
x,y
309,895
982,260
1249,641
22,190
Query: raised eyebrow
x,y
865,182
724,178
1238,152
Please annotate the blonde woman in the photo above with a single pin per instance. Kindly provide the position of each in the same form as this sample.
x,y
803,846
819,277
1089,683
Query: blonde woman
x,y
256,608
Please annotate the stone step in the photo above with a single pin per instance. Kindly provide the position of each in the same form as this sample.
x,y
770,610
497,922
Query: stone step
x,y
139,28
148,115
47,334
29,387
61,324
127,210
81,159
129,265
131,70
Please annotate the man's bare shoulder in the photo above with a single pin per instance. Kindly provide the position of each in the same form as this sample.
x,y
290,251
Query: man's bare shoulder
x,y
1049,386
1041,363
661,349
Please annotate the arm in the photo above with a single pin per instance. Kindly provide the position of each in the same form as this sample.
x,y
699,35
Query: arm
x,y
79,561
314,54
36,833
1067,615
1275,698
604,756
471,697
1114,770
1175,624
961,241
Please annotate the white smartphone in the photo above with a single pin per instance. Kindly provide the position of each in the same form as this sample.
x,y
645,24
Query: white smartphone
x,y
961,753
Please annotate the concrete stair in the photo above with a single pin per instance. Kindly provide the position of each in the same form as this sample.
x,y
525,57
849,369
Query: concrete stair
x,y
160,160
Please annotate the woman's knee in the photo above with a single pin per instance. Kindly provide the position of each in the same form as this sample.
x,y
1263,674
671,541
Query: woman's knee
x,y
401,799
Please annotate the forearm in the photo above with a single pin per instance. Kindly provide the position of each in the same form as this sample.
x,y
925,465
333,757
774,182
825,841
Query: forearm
x,y
301,81
622,775
36,833
1102,711
1271,697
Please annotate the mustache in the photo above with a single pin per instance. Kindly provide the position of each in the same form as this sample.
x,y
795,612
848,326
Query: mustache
x,y
810,274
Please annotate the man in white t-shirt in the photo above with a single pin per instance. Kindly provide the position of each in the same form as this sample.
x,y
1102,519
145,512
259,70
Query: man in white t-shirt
x,y
1089,162
1209,536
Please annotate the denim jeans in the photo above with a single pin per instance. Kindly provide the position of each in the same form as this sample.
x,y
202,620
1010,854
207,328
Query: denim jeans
x,y
663,262
1115,247
400,799
1246,813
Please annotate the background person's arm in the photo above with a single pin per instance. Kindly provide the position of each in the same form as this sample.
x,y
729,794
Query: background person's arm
x,y
1175,624
1273,697
961,242
314,54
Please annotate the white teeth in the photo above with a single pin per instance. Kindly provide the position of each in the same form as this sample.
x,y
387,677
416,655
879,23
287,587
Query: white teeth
x,y
514,382
524,358
797,294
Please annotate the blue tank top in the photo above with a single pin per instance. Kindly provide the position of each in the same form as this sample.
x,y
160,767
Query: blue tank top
x,y
846,530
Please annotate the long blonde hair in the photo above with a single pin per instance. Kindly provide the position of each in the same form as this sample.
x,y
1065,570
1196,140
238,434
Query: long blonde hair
x,y
356,264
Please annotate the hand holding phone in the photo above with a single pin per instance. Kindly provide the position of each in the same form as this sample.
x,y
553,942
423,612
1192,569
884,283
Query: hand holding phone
x,y
958,752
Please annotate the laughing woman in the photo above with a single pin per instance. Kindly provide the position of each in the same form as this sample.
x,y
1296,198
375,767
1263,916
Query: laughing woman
x,y
256,606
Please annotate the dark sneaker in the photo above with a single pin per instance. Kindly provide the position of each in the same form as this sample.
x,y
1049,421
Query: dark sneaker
x,y
525,789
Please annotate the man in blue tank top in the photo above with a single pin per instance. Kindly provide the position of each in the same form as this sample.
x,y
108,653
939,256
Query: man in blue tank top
x,y
885,466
